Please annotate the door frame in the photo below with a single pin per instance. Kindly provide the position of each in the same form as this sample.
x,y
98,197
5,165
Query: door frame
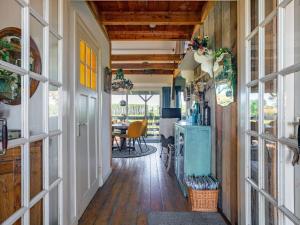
x,y
75,19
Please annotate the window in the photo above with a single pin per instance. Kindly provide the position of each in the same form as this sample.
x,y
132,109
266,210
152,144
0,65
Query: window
x,y
88,66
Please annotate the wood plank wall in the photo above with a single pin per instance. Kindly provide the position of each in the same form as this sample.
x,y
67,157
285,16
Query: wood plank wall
x,y
221,27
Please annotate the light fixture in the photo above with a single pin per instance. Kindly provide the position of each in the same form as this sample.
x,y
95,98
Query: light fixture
x,y
123,103
152,25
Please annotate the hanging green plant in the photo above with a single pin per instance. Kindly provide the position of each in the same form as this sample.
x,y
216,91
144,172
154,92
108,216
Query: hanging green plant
x,y
120,82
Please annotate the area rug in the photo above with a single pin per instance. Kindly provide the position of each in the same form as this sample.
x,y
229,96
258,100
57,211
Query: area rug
x,y
185,218
124,153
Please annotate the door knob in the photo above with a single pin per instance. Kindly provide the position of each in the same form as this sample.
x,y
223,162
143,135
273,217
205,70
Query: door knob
x,y
4,136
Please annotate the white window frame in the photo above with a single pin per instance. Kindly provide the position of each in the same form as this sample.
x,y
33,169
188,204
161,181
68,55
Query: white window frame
x,y
24,212
281,141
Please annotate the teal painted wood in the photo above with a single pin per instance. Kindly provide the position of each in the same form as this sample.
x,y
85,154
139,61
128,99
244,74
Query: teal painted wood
x,y
196,157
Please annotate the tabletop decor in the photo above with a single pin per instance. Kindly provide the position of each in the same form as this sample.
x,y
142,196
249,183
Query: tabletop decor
x,y
120,83
224,76
10,51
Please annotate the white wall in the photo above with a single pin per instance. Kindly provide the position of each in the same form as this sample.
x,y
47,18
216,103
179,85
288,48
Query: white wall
x,y
148,81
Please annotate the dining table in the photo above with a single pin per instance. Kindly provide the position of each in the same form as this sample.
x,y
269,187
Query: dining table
x,y
122,127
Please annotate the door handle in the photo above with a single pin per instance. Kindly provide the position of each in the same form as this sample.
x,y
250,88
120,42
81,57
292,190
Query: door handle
x,y
297,151
4,136
79,125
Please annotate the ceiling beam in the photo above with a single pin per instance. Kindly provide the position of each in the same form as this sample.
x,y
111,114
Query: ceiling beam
x,y
146,18
147,72
149,35
145,66
147,57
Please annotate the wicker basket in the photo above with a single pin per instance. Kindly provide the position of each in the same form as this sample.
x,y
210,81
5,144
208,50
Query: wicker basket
x,y
203,200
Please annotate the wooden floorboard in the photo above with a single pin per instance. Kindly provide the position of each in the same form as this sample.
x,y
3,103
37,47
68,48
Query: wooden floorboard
x,y
136,187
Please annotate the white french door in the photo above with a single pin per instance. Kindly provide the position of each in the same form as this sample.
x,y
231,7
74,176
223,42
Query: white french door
x,y
273,112
30,91
87,177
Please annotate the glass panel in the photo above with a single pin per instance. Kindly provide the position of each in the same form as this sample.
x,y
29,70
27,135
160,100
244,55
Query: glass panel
x,y
254,207
10,32
37,5
94,64
291,183
153,115
88,55
10,183
53,107
254,159
118,111
270,107
254,14
82,74
88,77
10,100
271,214
287,221
254,108
36,45
36,168
53,14
270,168
82,51
53,58
254,57
271,47
36,214
53,207
136,108
94,81
292,33
270,5
53,159
36,110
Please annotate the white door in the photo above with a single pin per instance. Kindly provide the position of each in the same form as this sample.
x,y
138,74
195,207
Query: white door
x,y
273,116
86,119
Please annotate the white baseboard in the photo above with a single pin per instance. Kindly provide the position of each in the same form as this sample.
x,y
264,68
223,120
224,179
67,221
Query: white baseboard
x,y
106,176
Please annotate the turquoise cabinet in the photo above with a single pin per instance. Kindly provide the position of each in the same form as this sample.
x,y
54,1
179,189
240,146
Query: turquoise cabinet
x,y
192,151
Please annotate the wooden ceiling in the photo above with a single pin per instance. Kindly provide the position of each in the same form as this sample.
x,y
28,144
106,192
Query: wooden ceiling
x,y
149,20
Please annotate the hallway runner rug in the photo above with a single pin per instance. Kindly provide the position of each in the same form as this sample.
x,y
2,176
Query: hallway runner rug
x,y
124,153
185,218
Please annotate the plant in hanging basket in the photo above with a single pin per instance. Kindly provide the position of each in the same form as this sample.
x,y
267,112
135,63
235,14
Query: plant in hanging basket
x,y
120,82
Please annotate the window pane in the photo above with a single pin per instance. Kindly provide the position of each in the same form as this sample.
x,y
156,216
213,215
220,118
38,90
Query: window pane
x,y
53,14
53,107
10,29
136,108
53,207
88,55
36,214
254,159
94,61
94,81
271,214
82,51
37,5
271,47
36,45
88,77
53,58
291,104
254,14
10,183
153,115
82,74
36,110
270,5
10,99
291,183
270,107
292,33
254,108
53,159
254,57
254,207
118,111
36,168
270,168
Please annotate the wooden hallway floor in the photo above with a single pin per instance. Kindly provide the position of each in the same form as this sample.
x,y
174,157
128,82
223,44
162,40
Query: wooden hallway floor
x,y
136,187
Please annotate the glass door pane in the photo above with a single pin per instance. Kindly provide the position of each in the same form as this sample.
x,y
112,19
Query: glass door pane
x,y
117,109
36,168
